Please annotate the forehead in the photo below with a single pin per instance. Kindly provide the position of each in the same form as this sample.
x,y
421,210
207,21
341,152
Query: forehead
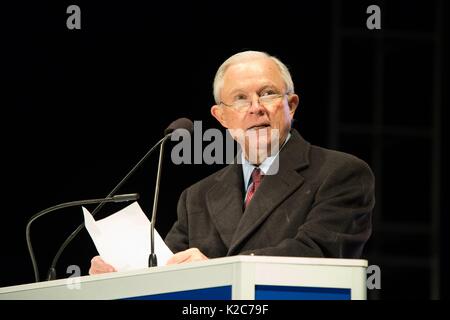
x,y
251,75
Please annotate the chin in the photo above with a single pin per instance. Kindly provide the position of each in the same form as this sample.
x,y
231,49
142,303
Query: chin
x,y
261,144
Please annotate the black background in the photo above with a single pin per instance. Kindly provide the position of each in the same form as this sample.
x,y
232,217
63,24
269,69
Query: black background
x,y
80,107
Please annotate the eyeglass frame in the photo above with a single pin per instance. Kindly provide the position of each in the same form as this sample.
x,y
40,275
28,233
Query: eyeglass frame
x,y
249,102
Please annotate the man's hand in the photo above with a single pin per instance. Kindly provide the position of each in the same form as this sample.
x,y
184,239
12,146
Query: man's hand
x,y
188,255
99,266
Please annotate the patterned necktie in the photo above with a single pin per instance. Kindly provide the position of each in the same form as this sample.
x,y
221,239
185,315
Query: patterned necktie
x,y
256,181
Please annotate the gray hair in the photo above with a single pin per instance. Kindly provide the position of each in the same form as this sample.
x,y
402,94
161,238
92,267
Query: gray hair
x,y
248,56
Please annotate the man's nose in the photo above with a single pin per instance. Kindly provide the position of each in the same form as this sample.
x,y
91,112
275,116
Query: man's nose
x,y
255,106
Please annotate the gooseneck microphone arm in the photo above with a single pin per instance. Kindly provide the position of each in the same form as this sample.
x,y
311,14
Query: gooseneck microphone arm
x,y
152,259
181,123
118,198
52,270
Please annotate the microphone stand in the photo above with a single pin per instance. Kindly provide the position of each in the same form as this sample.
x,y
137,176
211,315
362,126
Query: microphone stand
x,y
118,198
182,123
51,275
152,259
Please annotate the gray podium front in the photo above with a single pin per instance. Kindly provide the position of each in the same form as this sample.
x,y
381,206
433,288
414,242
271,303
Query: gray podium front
x,y
238,277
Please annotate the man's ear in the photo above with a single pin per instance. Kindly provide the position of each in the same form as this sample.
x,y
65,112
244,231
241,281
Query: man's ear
x,y
218,113
293,101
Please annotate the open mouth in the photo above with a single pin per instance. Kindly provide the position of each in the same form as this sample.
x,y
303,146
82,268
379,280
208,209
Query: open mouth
x,y
258,127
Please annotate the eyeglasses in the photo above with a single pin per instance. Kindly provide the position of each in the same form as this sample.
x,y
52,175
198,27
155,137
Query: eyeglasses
x,y
267,101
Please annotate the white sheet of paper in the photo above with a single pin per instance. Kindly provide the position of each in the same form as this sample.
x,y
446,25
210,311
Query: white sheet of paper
x,y
123,238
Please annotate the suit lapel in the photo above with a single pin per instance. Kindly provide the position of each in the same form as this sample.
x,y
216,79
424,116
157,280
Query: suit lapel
x,y
225,201
274,189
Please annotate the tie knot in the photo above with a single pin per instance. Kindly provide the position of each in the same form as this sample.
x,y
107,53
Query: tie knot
x,y
256,181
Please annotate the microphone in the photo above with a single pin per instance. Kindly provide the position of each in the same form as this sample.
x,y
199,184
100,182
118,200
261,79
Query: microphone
x,y
181,123
118,198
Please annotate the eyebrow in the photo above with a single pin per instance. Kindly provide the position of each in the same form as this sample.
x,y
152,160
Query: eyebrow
x,y
264,87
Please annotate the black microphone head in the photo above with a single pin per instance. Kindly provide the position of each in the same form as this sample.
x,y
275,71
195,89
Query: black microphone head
x,y
181,123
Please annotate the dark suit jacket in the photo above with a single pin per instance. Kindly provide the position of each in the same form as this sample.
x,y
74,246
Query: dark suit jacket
x,y
319,204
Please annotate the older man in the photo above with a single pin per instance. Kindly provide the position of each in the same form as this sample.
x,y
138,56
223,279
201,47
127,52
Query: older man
x,y
317,203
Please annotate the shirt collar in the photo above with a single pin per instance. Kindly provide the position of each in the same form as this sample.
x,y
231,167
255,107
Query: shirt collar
x,y
247,167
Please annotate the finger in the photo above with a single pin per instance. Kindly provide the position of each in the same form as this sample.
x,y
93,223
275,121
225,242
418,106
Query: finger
x,y
96,259
98,265
100,270
197,254
179,257
106,268
192,254
196,257
183,256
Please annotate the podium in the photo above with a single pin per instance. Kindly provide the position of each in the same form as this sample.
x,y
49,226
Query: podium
x,y
237,278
